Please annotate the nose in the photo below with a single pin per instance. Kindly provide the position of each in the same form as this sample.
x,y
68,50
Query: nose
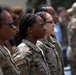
x,y
44,28
53,24
56,15
14,27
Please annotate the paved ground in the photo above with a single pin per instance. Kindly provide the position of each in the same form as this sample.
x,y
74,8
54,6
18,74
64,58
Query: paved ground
x,y
67,70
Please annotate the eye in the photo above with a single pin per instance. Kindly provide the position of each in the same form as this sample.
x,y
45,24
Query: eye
x,y
52,22
41,25
11,23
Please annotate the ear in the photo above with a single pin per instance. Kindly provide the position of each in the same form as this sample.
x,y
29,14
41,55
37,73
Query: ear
x,y
30,29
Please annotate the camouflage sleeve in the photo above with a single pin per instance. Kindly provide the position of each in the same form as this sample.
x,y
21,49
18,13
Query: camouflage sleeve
x,y
22,61
1,73
22,66
69,54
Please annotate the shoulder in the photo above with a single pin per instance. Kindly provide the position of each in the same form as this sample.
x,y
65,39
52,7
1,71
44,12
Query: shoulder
x,y
72,23
23,47
39,43
21,54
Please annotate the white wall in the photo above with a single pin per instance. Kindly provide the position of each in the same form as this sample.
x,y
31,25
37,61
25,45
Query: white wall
x,y
13,3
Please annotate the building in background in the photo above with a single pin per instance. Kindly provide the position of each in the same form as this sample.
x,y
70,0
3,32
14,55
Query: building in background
x,y
13,3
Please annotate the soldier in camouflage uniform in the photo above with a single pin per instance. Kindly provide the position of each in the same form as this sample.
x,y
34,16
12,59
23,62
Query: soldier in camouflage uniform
x,y
48,48
28,57
7,28
71,52
49,9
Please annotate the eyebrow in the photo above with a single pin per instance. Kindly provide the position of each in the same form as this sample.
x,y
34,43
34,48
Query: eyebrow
x,y
49,20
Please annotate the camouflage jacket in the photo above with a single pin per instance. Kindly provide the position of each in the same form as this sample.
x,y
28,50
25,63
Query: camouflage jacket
x,y
51,56
7,67
1,73
72,36
30,59
58,48
72,33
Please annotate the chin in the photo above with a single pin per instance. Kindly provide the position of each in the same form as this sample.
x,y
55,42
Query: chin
x,y
40,38
11,38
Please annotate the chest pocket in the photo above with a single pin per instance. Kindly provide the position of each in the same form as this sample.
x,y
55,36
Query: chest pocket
x,y
38,66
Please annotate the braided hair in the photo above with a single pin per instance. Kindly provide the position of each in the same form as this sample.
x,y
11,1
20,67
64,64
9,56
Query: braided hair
x,y
1,10
26,21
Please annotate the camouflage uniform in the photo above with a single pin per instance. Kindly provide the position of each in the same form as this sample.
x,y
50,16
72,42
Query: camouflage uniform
x,y
6,63
58,47
72,44
30,59
1,73
51,56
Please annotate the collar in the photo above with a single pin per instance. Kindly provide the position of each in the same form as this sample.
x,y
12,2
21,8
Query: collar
x,y
35,48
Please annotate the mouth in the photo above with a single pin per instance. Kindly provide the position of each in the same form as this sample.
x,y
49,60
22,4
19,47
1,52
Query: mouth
x,y
14,33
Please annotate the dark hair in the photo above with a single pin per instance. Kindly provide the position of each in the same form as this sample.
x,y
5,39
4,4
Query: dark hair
x,y
28,10
42,14
26,21
7,8
1,10
42,7
14,17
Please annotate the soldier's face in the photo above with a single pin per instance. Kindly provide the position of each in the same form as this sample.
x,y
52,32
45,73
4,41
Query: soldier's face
x,y
7,30
49,23
38,29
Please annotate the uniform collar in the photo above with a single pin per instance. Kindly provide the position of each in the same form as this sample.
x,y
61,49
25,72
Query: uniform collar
x,y
35,48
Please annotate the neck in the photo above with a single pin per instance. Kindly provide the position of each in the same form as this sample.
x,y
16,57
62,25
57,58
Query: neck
x,y
31,39
1,42
45,37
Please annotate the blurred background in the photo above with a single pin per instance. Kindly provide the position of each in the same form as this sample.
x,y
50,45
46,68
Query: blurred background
x,y
35,3
29,6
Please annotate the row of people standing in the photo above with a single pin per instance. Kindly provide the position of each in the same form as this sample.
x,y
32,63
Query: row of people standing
x,y
39,52
71,51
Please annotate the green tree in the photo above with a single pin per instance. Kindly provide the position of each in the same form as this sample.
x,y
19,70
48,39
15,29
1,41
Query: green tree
x,y
35,3
55,3
65,3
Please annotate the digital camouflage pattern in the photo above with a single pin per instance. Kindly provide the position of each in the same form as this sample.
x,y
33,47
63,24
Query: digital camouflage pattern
x,y
51,56
72,37
58,48
30,59
7,67
72,44
1,73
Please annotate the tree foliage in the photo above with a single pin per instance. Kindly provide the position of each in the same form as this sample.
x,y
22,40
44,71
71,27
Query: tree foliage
x,y
55,3
35,3
65,3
